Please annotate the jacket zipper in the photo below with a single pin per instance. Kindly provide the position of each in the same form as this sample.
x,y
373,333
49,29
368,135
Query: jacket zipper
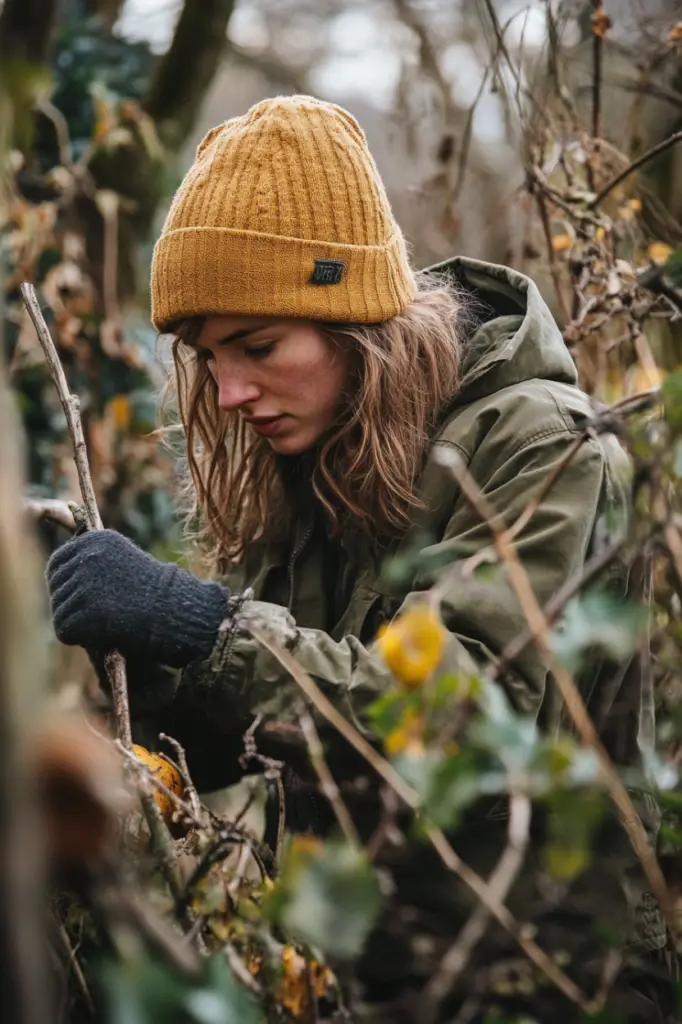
x,y
292,562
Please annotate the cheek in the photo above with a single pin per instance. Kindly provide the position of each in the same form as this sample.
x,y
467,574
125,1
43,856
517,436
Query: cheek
x,y
324,382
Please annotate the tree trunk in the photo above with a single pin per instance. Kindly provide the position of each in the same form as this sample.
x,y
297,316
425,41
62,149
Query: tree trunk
x,y
26,28
187,69
23,978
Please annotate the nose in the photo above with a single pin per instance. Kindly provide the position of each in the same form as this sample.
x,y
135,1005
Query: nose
x,y
235,390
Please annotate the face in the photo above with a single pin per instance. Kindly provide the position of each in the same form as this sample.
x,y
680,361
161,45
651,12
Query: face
x,y
285,378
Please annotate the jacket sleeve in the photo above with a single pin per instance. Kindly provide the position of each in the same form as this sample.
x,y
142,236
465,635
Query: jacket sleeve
x,y
482,614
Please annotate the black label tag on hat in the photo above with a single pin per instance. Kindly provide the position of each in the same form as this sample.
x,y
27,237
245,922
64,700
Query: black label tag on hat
x,y
328,272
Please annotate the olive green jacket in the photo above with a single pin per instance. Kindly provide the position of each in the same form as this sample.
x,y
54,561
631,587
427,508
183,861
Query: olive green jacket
x,y
516,415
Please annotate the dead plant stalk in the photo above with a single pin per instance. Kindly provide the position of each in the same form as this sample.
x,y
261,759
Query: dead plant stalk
x,y
539,627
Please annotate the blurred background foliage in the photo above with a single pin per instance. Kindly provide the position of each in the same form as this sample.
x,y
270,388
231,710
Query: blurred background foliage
x,y
501,129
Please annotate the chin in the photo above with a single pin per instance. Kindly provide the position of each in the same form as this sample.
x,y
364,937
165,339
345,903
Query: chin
x,y
292,445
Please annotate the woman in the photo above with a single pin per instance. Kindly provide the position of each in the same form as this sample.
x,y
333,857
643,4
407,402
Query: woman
x,y
319,379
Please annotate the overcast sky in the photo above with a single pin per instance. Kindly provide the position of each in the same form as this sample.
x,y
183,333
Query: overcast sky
x,y
359,62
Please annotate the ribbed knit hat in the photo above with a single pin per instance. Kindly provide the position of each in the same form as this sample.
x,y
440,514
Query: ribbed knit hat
x,y
283,213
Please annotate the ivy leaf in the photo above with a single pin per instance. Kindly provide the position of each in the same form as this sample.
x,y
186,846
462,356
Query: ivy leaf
x,y
143,991
328,896
597,621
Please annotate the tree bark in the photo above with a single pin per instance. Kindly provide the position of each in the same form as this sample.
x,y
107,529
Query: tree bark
x,y
24,997
26,29
186,71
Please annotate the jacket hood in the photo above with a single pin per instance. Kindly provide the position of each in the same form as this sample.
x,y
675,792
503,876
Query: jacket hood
x,y
515,338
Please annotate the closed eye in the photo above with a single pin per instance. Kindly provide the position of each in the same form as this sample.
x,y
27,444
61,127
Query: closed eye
x,y
260,351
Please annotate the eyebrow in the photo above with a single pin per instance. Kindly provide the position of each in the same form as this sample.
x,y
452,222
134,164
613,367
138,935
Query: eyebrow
x,y
242,332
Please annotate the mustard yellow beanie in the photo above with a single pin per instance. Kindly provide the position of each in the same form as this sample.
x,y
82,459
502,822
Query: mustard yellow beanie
x,y
283,213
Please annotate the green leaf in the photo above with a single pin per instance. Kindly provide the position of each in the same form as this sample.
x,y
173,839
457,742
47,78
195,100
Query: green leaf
x,y
418,769
671,390
559,762
143,991
672,268
457,782
597,621
574,816
328,896
387,711
513,739
221,1000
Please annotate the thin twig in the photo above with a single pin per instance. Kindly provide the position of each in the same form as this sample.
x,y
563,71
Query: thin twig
x,y
61,127
435,835
74,965
672,140
239,872
114,663
329,787
500,881
554,607
597,61
541,203
272,772
572,698
190,789
70,404
56,511
241,971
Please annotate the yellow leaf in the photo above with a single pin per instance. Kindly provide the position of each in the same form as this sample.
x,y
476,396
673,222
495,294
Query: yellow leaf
x,y
561,243
120,409
675,35
635,204
566,862
412,645
644,377
166,772
323,979
293,992
601,22
407,735
659,252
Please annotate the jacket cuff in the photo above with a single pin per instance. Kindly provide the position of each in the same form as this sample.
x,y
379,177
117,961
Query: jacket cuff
x,y
239,664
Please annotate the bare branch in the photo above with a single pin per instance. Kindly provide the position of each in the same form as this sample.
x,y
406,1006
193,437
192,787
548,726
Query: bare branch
x,y
500,881
597,67
329,787
58,512
661,147
190,788
115,665
572,698
187,69
410,797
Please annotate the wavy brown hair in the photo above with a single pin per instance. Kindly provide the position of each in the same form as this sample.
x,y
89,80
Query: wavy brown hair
x,y
365,471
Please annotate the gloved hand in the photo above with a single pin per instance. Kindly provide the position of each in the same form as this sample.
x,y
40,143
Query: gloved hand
x,y
106,593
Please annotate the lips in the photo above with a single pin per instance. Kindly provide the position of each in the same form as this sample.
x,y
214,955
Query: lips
x,y
266,425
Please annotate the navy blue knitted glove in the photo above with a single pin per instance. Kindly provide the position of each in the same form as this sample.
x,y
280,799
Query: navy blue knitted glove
x,y
106,593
